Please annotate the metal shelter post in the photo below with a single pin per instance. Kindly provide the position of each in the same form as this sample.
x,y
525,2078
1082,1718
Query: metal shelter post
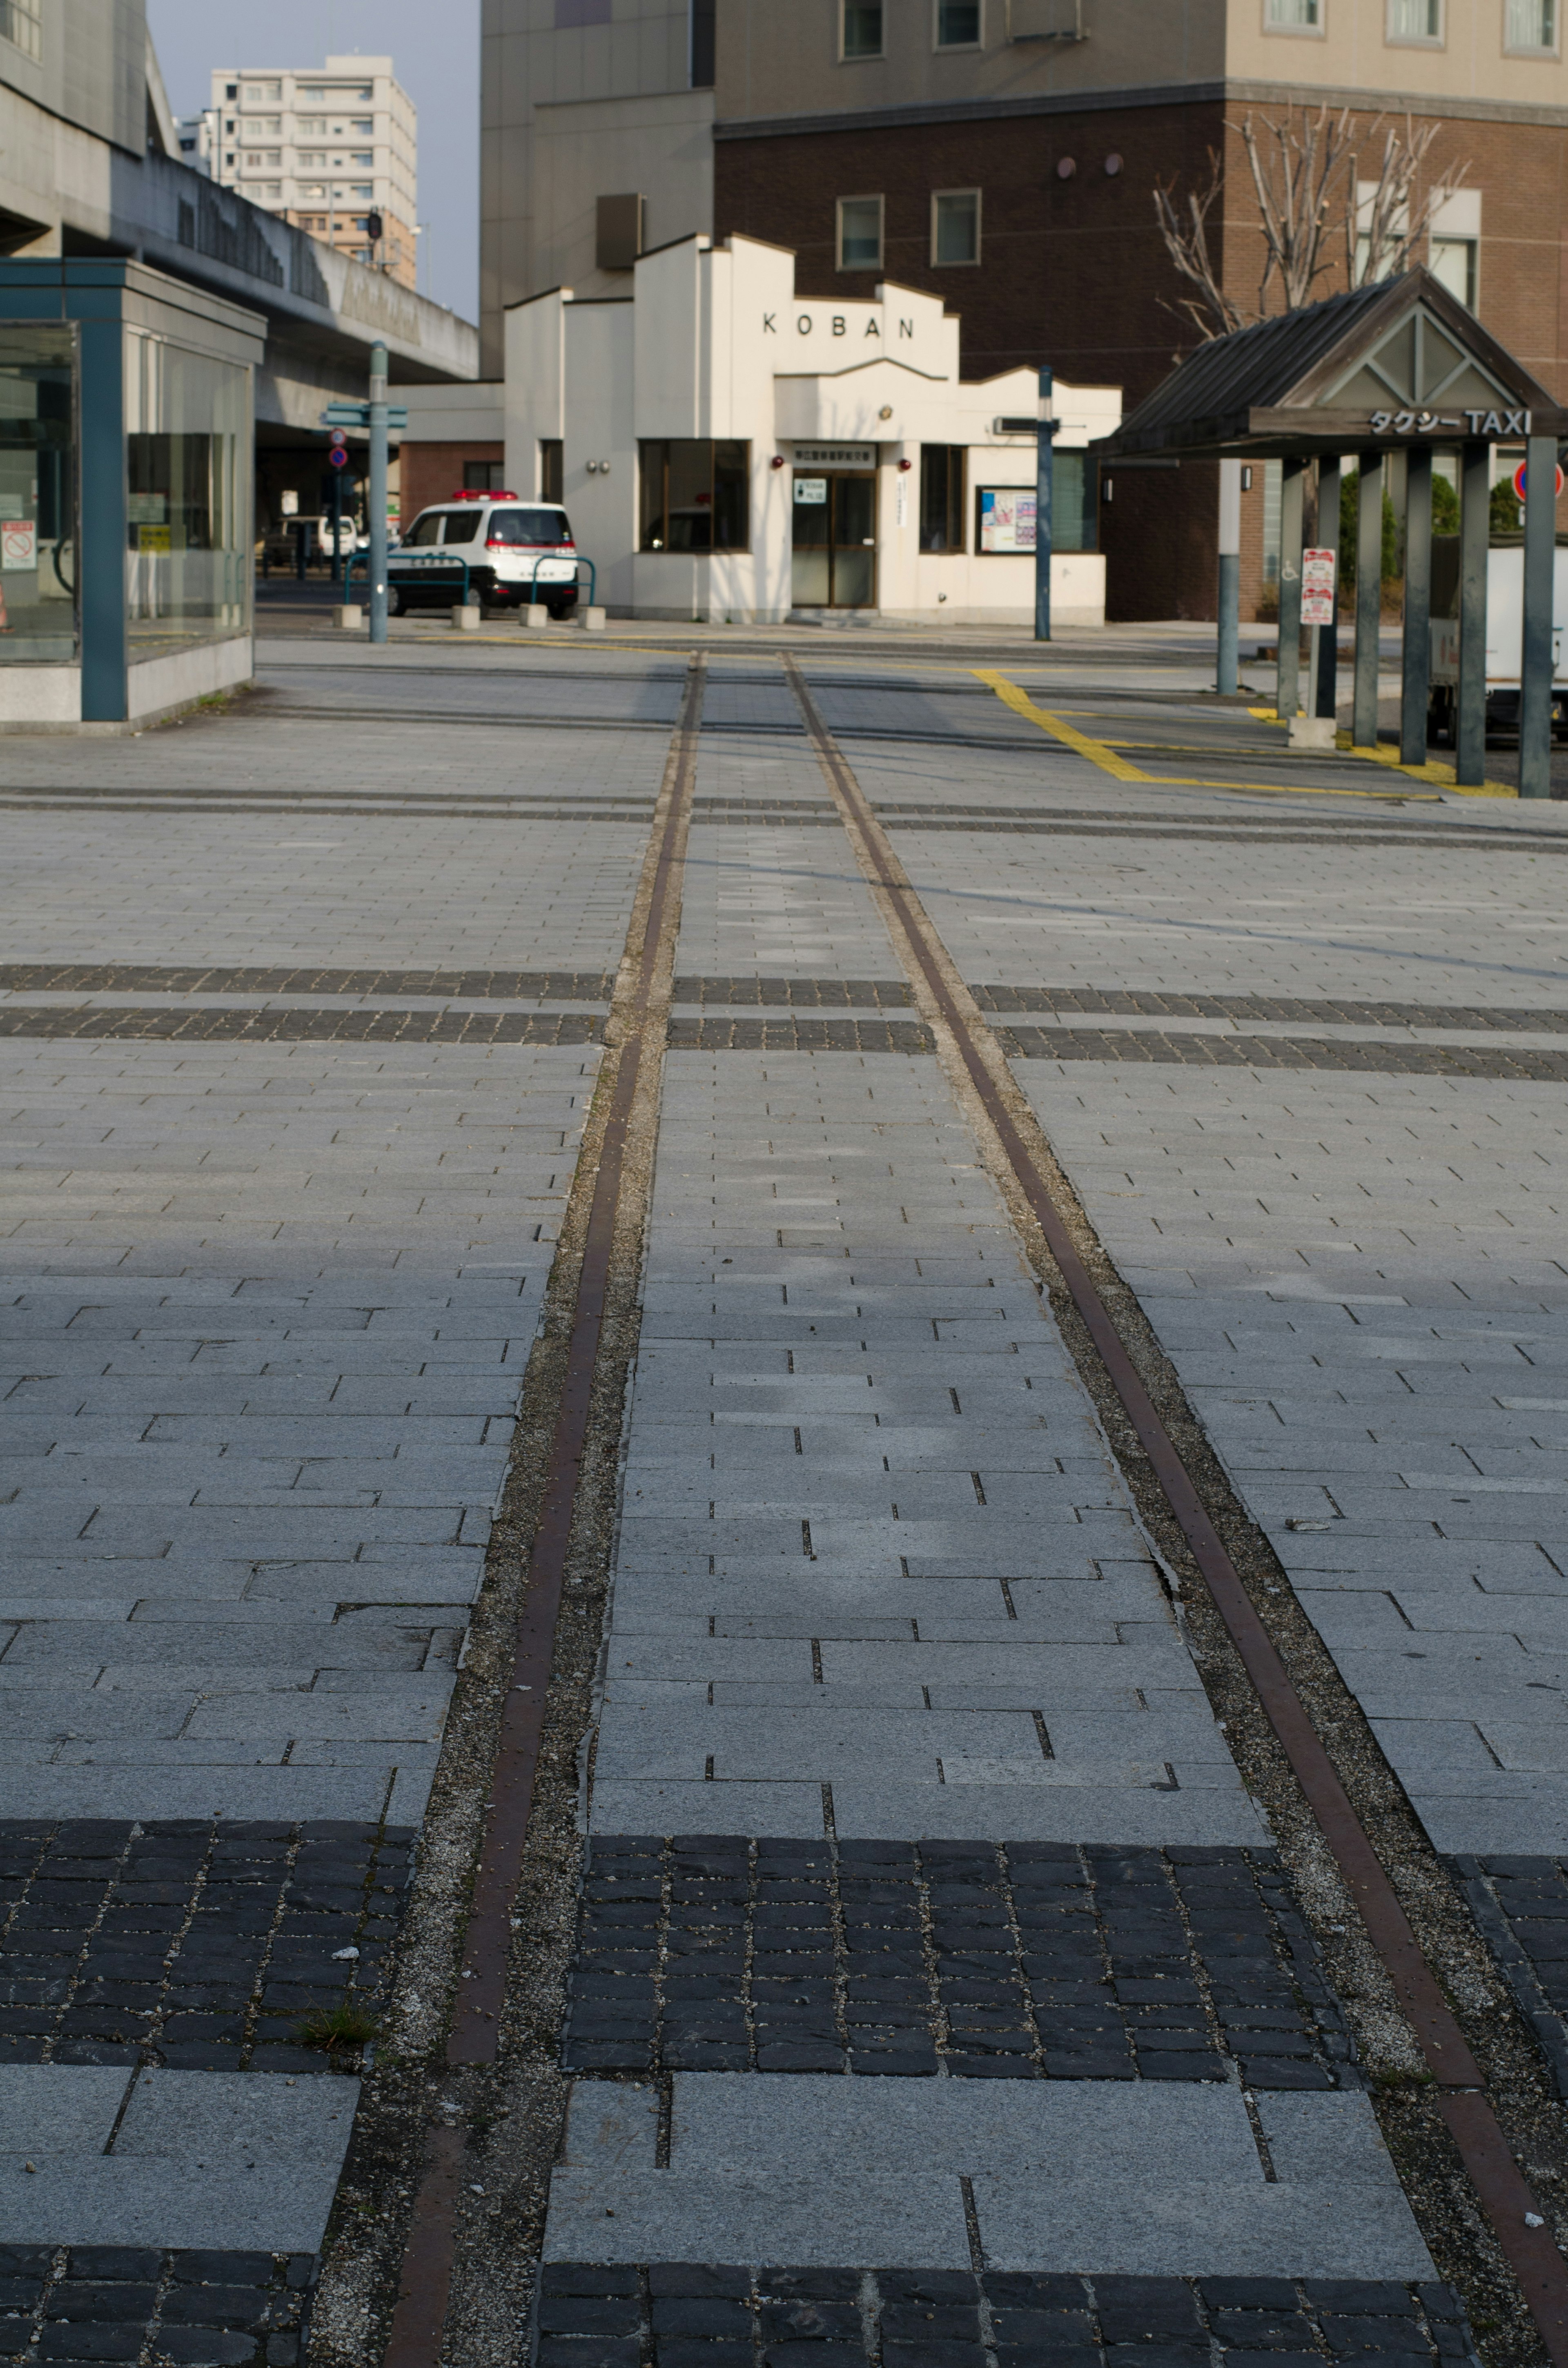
x,y
1044,472
1368,599
1288,690
377,571
1535,655
1417,653
1324,699
1226,677
1475,533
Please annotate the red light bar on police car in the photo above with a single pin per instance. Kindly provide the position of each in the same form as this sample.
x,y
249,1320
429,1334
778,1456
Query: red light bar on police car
x,y
467,495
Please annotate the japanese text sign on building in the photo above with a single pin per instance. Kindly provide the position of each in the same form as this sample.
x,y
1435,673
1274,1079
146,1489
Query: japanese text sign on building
x,y
1317,588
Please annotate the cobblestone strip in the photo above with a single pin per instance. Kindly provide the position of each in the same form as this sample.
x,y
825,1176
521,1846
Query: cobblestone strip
x,y
1157,1045
293,1024
1048,1960
216,1947
154,978
97,2302
677,2315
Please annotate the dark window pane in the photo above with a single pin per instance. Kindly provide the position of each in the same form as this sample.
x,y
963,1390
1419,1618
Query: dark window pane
x,y
552,469
425,529
859,233
702,44
530,529
462,525
862,29
485,476
941,497
958,22
732,505
1073,522
956,231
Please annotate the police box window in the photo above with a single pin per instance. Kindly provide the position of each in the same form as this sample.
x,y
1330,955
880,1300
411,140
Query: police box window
x,y
694,495
941,497
955,226
860,28
859,233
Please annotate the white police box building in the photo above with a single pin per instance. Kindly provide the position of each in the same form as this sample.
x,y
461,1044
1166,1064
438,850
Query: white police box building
x,y
727,449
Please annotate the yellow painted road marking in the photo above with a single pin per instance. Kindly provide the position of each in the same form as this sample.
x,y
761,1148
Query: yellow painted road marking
x,y
1103,753
1433,770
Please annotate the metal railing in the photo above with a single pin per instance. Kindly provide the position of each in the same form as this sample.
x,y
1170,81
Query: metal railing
x,y
592,577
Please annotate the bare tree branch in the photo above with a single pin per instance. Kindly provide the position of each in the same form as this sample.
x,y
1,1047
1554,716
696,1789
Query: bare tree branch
x,y
1304,182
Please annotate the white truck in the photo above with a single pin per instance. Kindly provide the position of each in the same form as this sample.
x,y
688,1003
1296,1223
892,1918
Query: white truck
x,y
1505,627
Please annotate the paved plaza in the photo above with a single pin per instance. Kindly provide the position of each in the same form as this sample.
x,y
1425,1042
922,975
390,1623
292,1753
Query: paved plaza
x,y
930,1974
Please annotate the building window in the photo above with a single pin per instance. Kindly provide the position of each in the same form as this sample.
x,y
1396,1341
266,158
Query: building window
x,y
485,476
695,495
941,497
258,93
1292,16
955,226
1074,513
859,233
1529,25
552,469
1453,262
958,24
1415,20
860,28
703,45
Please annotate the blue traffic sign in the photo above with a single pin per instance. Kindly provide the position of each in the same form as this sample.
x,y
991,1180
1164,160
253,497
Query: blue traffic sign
x,y
338,458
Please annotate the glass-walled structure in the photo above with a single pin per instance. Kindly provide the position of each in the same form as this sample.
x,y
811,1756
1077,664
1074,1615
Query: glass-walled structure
x,y
37,493
127,432
188,500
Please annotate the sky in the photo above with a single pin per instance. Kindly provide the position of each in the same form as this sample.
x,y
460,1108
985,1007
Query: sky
x,y
435,54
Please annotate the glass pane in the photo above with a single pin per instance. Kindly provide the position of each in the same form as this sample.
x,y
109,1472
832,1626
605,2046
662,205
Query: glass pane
x,y
1295,15
1453,262
688,513
461,525
958,22
1072,520
854,529
38,495
551,468
530,529
189,462
859,233
862,29
1531,24
427,529
809,580
958,228
1414,20
732,505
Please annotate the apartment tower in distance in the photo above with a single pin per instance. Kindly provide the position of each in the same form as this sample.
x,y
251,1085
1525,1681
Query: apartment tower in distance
x,y
326,148
1004,154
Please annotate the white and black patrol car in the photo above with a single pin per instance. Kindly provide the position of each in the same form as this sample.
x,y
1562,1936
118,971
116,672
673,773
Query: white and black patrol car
x,y
516,552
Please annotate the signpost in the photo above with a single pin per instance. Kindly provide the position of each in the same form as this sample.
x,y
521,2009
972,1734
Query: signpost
x,y
1043,474
374,418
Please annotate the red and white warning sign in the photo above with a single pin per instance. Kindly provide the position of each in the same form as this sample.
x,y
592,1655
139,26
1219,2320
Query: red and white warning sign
x,y
1317,588
18,543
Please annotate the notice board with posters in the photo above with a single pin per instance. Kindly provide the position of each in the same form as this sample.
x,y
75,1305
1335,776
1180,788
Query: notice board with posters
x,y
1005,518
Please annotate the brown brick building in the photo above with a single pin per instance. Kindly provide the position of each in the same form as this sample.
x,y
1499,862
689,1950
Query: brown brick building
x,y
1004,153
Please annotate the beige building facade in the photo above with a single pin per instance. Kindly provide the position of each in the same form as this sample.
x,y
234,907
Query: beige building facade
x,y
326,148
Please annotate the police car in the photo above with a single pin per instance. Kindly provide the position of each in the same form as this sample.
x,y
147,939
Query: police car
x,y
516,552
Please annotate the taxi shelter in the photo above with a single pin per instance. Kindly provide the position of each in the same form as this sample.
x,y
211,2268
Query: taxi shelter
x,y
126,434
1397,368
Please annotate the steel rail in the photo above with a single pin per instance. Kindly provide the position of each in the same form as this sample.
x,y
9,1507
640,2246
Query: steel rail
x,y
430,2252
1505,2193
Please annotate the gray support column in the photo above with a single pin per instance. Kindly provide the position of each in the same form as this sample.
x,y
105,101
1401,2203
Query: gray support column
x,y
1287,692
102,532
1226,674
1535,655
1045,471
1325,698
1417,655
1368,599
378,551
1475,522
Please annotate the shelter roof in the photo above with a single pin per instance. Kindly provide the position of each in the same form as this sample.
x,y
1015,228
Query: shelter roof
x,y
1398,362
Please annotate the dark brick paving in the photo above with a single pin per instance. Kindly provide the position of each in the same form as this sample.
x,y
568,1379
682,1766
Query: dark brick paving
x,y
97,2302
1521,1908
200,1945
153,978
1155,1045
673,2314
685,1035
784,994
1111,1002
1035,1960
299,1024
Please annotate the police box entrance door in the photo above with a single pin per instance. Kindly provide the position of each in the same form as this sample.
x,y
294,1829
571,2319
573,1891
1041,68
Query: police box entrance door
x,y
834,561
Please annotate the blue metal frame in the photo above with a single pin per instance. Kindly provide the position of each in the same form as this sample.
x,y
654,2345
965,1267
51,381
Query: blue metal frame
x,y
102,528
